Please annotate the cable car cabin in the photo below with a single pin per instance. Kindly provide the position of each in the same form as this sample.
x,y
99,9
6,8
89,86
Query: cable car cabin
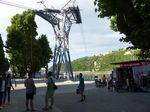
x,y
138,70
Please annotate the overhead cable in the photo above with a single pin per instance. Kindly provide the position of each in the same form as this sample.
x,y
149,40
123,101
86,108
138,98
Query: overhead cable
x,y
13,4
83,38
82,33
65,4
74,52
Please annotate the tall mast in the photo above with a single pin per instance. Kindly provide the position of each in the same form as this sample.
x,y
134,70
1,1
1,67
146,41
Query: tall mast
x,y
61,21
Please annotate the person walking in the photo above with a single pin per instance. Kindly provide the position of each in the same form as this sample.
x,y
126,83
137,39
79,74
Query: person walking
x,y
110,85
118,85
50,91
104,79
81,87
30,87
8,89
2,89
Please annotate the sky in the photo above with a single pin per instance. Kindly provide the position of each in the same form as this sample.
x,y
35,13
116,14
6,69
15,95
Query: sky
x,y
92,37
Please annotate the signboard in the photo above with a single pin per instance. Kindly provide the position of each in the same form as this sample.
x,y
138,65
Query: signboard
x,y
134,64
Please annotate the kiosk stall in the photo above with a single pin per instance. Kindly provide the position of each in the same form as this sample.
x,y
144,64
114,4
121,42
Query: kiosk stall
x,y
138,70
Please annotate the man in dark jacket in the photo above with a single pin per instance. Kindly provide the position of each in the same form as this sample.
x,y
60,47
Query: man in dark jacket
x,y
2,88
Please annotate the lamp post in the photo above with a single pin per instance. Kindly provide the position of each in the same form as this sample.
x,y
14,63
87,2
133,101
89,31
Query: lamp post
x,y
31,50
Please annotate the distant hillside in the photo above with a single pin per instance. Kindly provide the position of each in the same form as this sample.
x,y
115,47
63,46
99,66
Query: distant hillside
x,y
102,61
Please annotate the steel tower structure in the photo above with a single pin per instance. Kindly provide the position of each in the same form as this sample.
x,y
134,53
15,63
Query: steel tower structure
x,y
61,21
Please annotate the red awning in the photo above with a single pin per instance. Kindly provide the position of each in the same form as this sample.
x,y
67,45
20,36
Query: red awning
x,y
134,64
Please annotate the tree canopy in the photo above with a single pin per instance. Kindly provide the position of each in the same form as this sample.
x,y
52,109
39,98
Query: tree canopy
x,y
26,53
129,17
4,64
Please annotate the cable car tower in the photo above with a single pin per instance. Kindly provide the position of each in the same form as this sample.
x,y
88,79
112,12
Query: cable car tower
x,y
61,21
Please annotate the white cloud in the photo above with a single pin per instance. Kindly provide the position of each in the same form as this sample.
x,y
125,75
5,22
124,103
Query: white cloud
x,y
93,37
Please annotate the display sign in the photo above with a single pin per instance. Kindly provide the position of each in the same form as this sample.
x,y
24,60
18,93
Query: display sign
x,y
134,64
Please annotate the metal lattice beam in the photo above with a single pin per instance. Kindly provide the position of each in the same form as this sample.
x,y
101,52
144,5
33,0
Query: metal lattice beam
x,y
61,21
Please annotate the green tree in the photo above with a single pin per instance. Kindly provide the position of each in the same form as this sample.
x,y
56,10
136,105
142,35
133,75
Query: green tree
x,y
46,52
129,17
4,66
24,50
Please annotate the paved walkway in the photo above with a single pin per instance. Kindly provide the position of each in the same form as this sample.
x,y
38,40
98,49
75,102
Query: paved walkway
x,y
66,100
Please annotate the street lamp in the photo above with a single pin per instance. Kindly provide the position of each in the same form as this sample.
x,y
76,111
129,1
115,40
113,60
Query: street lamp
x,y
31,50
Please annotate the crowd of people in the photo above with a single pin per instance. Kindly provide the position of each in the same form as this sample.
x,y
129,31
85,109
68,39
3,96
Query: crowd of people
x,y
5,89
115,84
101,82
6,85
31,91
